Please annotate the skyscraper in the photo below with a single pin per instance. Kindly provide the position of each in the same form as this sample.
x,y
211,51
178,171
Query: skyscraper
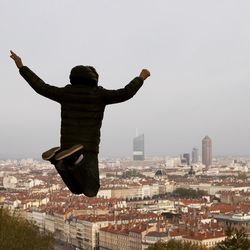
x,y
207,151
195,156
186,156
138,148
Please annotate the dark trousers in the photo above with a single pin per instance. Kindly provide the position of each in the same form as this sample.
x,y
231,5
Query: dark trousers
x,y
82,178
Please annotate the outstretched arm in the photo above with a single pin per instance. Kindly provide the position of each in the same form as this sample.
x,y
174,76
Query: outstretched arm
x,y
124,94
46,90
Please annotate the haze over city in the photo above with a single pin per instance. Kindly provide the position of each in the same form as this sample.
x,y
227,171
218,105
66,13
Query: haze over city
x,y
198,54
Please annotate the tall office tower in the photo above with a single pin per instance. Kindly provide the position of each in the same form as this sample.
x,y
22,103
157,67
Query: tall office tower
x,y
207,151
138,148
195,156
187,158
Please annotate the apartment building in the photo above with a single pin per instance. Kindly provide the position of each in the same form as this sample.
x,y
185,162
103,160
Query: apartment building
x,y
125,237
206,238
114,237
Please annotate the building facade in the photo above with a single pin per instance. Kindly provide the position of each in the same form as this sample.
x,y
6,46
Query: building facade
x,y
207,151
138,148
186,157
195,155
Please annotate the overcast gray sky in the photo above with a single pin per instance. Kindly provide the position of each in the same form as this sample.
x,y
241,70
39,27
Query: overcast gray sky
x,y
198,53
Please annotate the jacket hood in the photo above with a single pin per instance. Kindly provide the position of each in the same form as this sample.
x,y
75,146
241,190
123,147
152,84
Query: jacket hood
x,y
83,75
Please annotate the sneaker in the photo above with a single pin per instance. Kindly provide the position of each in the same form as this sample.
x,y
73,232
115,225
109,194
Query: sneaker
x,y
68,152
49,154
79,159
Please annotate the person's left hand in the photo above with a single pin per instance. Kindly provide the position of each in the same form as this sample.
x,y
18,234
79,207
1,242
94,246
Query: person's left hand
x,y
17,59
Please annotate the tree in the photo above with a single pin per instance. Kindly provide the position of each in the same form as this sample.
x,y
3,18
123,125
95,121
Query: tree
x,y
157,246
236,240
131,173
17,233
188,193
176,245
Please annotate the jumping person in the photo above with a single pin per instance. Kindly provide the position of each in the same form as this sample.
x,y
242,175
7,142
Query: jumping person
x,y
82,108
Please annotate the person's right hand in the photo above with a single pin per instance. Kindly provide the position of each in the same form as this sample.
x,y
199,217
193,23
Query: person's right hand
x,y
144,74
17,59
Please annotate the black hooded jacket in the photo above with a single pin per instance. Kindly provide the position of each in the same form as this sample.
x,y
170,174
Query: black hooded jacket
x,y
82,107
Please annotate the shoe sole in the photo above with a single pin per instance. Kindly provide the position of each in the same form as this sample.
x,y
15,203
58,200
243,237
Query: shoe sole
x,y
68,152
50,153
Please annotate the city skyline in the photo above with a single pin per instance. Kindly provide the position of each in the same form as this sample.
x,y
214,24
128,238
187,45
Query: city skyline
x,y
138,152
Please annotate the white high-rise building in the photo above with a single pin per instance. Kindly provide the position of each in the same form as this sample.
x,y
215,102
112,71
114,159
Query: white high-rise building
x,y
138,148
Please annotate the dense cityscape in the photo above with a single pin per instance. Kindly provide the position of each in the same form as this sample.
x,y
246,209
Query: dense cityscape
x,y
142,200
